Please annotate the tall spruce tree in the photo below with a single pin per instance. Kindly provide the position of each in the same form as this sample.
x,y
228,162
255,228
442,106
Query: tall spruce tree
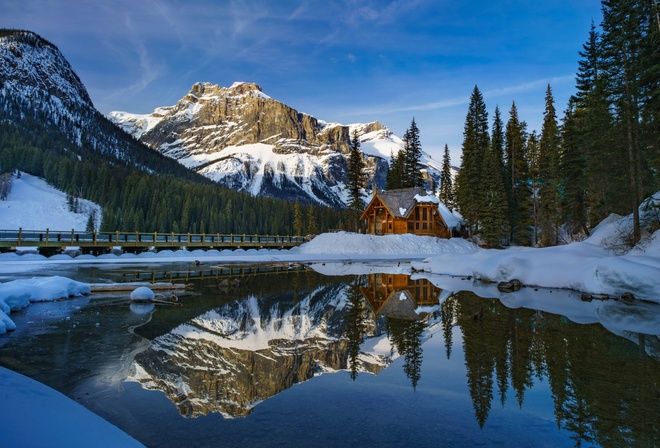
x,y
515,139
494,206
476,141
412,176
446,194
355,176
395,171
533,155
549,151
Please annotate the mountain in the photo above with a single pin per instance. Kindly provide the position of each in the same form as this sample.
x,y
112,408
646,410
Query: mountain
x,y
244,139
39,88
49,128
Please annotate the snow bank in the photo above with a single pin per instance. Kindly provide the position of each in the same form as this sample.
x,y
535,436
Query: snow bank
x,y
579,266
33,414
18,294
345,243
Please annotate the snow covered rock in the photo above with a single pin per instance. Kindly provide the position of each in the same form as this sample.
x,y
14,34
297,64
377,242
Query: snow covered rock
x,y
142,294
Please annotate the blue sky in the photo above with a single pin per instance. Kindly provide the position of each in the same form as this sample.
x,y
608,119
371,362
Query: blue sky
x,y
343,61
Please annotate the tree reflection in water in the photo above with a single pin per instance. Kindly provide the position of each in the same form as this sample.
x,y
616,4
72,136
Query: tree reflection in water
x,y
604,392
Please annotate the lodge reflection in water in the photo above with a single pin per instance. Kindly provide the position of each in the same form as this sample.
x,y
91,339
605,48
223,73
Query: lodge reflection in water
x,y
604,387
397,295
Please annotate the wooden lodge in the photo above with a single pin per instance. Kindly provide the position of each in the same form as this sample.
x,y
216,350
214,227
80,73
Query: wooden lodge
x,y
408,210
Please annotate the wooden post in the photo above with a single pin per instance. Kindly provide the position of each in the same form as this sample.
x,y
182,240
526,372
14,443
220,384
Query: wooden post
x,y
47,232
20,235
94,239
72,232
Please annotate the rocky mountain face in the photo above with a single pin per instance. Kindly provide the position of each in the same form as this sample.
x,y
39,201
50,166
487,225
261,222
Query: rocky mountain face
x,y
41,93
231,358
246,140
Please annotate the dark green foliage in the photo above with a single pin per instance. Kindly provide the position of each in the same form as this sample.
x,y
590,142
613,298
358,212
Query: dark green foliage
x,y
447,194
395,171
494,206
548,169
412,177
518,179
476,142
355,176
404,170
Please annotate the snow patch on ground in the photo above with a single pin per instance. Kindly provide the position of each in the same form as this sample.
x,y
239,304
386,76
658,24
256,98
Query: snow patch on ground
x,y
33,204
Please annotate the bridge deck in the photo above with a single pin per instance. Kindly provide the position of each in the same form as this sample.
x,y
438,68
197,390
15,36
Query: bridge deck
x,y
12,239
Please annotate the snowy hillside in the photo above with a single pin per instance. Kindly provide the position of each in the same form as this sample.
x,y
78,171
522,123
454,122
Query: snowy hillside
x,y
35,205
246,140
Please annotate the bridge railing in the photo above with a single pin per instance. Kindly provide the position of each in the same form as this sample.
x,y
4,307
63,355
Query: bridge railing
x,y
50,238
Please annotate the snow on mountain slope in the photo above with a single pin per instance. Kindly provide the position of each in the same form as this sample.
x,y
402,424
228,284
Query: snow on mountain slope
x,y
246,140
35,205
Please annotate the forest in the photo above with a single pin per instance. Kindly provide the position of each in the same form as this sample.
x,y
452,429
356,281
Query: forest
x,y
525,188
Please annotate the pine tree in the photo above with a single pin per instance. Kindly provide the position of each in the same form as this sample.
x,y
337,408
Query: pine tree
x,y
395,170
494,206
412,177
476,142
311,221
518,176
297,219
91,222
548,165
446,182
626,41
355,176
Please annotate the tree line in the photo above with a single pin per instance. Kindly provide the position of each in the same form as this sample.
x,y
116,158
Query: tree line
x,y
521,187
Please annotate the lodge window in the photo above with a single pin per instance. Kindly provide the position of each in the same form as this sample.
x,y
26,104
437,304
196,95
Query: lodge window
x,y
424,215
417,214
417,226
424,226
389,226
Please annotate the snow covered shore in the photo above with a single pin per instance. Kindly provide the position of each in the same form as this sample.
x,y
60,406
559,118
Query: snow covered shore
x,y
34,415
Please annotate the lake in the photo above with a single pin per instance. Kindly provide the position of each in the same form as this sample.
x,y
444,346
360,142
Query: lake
x,y
366,356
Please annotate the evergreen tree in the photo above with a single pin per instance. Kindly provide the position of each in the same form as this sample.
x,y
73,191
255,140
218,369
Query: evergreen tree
x,y
412,177
297,219
395,170
446,182
518,176
494,206
476,142
91,222
311,221
627,50
534,176
355,176
548,165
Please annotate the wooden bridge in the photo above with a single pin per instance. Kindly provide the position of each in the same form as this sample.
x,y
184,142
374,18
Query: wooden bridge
x,y
53,241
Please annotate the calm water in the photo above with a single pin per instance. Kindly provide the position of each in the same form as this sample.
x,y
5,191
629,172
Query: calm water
x,y
297,358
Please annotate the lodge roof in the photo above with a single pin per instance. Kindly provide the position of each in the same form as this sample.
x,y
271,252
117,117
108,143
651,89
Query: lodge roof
x,y
401,202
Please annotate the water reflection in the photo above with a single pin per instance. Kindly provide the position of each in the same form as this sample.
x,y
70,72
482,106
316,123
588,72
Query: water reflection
x,y
232,357
229,349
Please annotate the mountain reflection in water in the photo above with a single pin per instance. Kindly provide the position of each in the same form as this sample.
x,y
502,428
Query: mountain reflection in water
x,y
236,355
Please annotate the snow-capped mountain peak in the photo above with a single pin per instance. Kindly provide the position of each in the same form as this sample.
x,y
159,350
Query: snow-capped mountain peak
x,y
248,141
